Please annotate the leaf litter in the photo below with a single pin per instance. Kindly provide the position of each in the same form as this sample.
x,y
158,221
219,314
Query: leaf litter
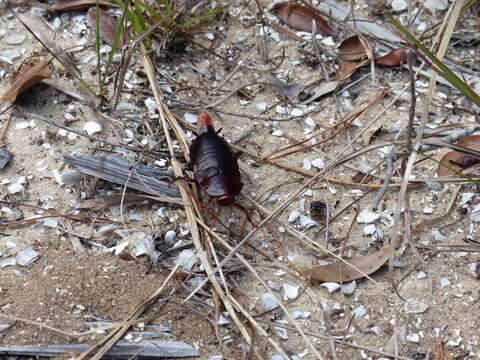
x,y
30,74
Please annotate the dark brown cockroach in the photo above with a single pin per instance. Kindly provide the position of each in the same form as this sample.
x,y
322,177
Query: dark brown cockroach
x,y
214,163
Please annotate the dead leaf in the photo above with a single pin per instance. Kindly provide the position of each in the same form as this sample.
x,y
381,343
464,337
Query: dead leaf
x,y
352,49
314,92
353,54
108,25
290,91
456,161
363,178
340,272
27,76
394,58
78,5
348,68
442,353
300,17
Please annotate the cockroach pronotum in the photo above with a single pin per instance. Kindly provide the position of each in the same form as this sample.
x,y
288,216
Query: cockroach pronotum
x,y
214,163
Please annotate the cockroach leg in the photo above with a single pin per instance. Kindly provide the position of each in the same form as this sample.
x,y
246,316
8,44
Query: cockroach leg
x,y
245,211
181,178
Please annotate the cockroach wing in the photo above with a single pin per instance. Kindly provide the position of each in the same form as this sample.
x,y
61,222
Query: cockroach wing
x,y
215,165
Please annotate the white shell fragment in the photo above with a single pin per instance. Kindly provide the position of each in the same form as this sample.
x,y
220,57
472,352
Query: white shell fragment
x,y
25,125
27,256
438,236
268,302
475,215
262,106
296,112
306,222
67,177
466,198
290,291
414,306
186,259
15,39
436,5
9,56
277,133
15,188
223,321
331,286
360,311
318,163
294,215
367,217
92,127
9,261
413,338
307,164
310,123
399,5
170,236
349,288
190,118
300,315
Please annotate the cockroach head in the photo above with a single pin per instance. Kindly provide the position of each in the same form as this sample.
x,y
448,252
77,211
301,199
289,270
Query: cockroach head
x,y
204,120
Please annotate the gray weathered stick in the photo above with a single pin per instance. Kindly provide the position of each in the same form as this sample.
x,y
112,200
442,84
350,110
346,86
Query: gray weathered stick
x,y
141,350
122,172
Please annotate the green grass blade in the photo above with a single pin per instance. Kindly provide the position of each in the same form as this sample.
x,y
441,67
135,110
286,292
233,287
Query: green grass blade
x,y
440,67
97,44
116,41
211,13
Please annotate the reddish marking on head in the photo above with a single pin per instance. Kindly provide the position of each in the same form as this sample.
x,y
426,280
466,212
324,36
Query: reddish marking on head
x,y
204,119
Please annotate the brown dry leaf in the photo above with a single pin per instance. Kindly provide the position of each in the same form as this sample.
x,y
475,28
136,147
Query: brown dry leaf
x,y
300,17
314,92
353,55
352,49
78,5
108,24
340,272
363,178
455,161
348,68
394,58
27,76
442,353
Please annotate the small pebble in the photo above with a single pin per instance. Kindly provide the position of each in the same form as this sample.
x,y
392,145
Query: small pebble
x,y
170,236
92,127
268,302
360,311
349,288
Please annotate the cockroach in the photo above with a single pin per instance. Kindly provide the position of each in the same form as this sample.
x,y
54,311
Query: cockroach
x,y
214,163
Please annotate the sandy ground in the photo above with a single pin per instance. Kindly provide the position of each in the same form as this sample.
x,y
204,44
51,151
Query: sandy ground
x,y
67,286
